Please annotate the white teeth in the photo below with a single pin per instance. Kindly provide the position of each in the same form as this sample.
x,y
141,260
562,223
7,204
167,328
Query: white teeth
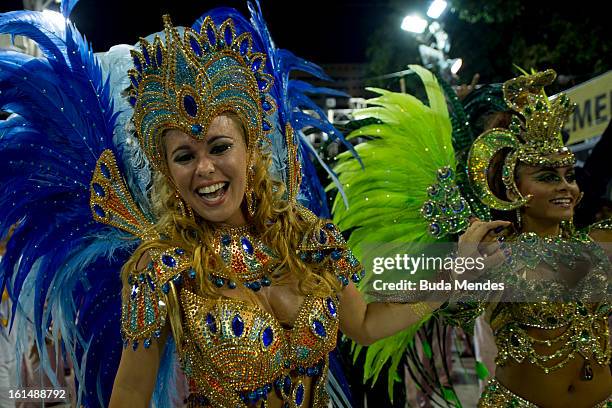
x,y
561,201
210,189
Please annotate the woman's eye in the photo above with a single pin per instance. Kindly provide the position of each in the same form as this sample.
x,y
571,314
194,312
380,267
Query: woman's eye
x,y
218,149
548,178
570,177
183,157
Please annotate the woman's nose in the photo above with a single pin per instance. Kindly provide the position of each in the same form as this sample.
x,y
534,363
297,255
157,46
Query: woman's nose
x,y
205,166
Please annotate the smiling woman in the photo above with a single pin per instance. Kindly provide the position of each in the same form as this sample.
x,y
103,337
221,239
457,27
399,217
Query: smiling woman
x,y
210,174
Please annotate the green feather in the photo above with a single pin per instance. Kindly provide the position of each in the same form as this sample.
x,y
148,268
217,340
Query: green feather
x,y
401,162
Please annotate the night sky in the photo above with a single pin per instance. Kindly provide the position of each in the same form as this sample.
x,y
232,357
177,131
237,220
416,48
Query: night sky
x,y
324,31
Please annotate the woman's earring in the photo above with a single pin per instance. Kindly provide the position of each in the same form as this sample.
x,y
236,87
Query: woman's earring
x,y
184,209
251,199
519,219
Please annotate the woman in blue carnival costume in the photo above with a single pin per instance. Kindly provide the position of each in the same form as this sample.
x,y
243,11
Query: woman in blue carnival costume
x,y
551,321
229,271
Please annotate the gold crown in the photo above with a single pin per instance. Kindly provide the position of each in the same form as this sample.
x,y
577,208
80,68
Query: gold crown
x,y
534,137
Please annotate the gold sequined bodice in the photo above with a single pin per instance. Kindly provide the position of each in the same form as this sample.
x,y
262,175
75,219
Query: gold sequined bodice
x,y
234,352
234,348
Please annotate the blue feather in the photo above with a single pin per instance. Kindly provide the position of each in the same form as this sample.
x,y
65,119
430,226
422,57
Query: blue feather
x,y
67,6
62,119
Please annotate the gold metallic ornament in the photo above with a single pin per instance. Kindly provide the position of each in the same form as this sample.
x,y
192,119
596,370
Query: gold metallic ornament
x,y
534,138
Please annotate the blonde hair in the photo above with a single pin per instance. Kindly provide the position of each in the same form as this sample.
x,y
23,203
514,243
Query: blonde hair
x,y
276,222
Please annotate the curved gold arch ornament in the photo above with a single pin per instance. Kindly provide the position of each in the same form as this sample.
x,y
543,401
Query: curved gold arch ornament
x,y
482,152
534,138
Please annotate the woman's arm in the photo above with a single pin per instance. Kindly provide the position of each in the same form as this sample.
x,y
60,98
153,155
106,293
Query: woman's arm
x,y
135,380
366,323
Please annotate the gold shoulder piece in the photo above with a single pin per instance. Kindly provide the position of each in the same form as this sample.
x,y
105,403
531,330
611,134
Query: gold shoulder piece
x,y
111,202
151,297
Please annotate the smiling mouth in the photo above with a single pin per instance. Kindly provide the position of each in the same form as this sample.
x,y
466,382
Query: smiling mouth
x,y
562,202
213,193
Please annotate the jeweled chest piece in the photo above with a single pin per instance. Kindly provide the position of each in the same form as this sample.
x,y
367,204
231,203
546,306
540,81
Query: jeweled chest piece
x,y
246,256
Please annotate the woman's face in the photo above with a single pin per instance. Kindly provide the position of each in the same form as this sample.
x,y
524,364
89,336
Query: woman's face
x,y
554,190
210,174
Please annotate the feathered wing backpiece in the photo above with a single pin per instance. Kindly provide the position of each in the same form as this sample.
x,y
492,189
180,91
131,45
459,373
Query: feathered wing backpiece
x,y
63,161
406,194
76,185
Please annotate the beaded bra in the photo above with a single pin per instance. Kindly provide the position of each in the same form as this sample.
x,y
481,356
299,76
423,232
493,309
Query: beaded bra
x,y
234,352
580,311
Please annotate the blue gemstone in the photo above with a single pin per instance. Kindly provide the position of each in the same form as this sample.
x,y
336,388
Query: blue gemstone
x,y
266,126
210,322
318,328
134,291
355,278
145,54
212,37
159,56
137,64
336,254
262,84
252,396
266,105
150,282
299,395
146,343
244,47
434,228
169,261
331,307
310,371
166,288
237,326
231,284
246,245
255,286
226,239
195,46
256,64
196,129
98,190
287,385
265,281
218,282
228,35
318,256
192,273
134,82
191,107
135,344
267,336
178,279
322,236
99,211
157,334
105,171
132,100
179,251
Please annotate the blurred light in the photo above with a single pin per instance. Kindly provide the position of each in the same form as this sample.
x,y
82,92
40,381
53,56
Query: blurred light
x,y
436,9
55,17
414,24
456,65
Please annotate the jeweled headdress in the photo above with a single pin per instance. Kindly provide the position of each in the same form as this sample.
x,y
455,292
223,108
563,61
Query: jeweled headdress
x,y
534,137
188,81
